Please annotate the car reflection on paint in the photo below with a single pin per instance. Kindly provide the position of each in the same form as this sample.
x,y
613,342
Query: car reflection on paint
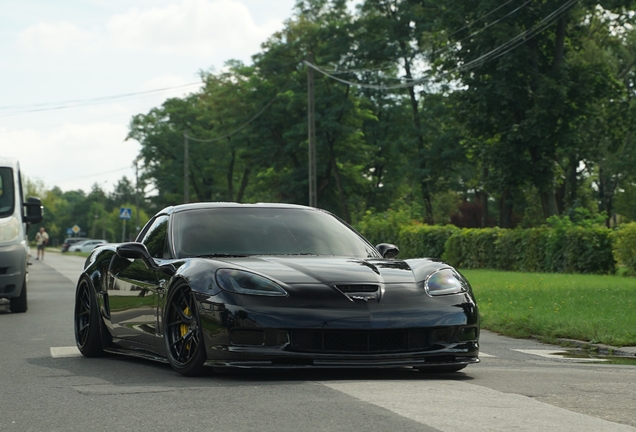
x,y
86,245
271,286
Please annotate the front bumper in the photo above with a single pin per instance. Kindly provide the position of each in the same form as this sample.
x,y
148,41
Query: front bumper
x,y
13,262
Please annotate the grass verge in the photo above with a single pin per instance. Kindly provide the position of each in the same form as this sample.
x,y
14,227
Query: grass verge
x,y
597,309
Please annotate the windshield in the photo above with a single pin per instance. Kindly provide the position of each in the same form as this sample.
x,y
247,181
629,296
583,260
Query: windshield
x,y
7,200
265,231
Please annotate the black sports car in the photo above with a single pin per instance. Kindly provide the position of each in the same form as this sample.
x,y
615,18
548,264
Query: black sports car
x,y
271,286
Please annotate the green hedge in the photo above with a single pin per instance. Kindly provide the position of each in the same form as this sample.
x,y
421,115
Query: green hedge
x,y
424,241
564,248
625,247
571,250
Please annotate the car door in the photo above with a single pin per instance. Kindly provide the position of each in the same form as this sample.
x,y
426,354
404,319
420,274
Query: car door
x,y
133,291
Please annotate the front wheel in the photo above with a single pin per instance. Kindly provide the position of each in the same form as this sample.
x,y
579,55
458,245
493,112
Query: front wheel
x,y
87,321
183,336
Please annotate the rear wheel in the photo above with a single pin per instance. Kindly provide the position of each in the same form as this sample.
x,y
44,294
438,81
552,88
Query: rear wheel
x,y
19,304
183,336
87,322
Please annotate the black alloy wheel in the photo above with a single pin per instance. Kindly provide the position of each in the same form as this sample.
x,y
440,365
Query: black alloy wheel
x,y
19,304
87,322
184,339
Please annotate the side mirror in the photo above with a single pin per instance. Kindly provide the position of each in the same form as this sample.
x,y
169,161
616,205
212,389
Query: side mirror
x,y
134,250
387,250
33,210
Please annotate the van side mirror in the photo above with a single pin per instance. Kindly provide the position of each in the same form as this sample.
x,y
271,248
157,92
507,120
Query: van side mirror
x,y
33,210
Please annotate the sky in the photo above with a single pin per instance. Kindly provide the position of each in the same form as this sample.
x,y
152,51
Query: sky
x,y
66,66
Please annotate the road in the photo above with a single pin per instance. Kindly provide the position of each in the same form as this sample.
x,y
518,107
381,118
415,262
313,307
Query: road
x,y
519,386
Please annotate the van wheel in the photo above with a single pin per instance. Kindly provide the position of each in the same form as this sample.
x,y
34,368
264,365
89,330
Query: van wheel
x,y
19,304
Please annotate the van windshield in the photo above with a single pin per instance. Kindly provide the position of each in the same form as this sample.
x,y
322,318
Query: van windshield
x,y
7,200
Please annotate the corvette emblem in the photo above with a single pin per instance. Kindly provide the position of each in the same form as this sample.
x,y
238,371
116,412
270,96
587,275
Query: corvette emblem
x,y
365,298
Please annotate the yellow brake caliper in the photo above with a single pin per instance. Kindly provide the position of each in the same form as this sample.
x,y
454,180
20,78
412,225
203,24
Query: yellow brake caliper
x,y
184,327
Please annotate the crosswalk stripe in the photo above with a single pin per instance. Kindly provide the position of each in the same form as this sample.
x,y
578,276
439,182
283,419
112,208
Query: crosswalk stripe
x,y
451,406
556,355
70,351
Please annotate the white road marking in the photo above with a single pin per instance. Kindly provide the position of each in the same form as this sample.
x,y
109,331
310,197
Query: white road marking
x,y
451,406
70,351
484,355
556,355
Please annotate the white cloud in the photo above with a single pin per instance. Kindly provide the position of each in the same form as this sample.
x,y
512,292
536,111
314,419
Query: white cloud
x,y
201,27
73,156
53,37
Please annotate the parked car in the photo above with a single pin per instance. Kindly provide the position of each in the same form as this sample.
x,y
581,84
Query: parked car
x,y
86,245
70,241
271,286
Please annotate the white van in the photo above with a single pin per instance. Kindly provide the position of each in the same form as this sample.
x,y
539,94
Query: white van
x,y
15,215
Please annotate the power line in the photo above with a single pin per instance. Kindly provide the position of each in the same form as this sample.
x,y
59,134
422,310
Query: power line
x,y
491,55
240,128
485,27
470,24
335,71
96,174
50,106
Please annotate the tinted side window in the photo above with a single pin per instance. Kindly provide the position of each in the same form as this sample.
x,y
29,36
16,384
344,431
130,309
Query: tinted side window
x,y
155,238
6,192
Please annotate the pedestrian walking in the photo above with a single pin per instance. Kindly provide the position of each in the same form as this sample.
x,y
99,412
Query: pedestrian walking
x,y
41,240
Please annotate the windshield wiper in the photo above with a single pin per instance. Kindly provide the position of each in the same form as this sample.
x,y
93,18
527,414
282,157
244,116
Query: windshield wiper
x,y
222,255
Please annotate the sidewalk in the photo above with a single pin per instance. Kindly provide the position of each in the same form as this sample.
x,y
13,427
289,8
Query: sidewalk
x,y
601,349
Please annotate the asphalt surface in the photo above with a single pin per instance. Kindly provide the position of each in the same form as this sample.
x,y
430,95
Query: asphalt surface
x,y
520,385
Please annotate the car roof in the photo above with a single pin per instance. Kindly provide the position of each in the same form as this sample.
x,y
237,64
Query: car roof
x,y
211,205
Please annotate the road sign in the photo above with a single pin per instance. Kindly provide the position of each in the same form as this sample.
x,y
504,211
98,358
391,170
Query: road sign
x,y
75,229
69,231
125,213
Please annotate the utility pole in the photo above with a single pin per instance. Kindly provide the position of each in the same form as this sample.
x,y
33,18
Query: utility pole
x,y
137,195
311,118
186,185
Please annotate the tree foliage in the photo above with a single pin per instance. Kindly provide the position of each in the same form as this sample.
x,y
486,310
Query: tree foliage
x,y
480,113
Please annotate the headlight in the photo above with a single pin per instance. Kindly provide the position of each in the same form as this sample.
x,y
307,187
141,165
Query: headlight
x,y
243,282
10,230
443,282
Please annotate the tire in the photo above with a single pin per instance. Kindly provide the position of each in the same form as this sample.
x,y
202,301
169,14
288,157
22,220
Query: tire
x,y
441,369
182,333
88,334
19,304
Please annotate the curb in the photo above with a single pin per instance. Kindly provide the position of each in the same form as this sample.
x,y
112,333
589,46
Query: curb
x,y
601,349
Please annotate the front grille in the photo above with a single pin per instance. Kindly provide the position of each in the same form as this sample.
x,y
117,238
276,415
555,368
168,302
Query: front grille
x,y
354,341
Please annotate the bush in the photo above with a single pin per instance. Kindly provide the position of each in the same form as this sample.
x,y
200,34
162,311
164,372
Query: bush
x,y
561,247
424,241
571,249
383,227
625,247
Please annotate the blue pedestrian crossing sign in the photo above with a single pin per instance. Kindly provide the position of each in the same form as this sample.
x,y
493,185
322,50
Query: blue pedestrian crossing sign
x,y
125,213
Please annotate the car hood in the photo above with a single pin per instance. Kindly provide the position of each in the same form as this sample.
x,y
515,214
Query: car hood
x,y
335,270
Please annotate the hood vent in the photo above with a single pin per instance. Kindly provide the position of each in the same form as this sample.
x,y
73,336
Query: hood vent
x,y
358,288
